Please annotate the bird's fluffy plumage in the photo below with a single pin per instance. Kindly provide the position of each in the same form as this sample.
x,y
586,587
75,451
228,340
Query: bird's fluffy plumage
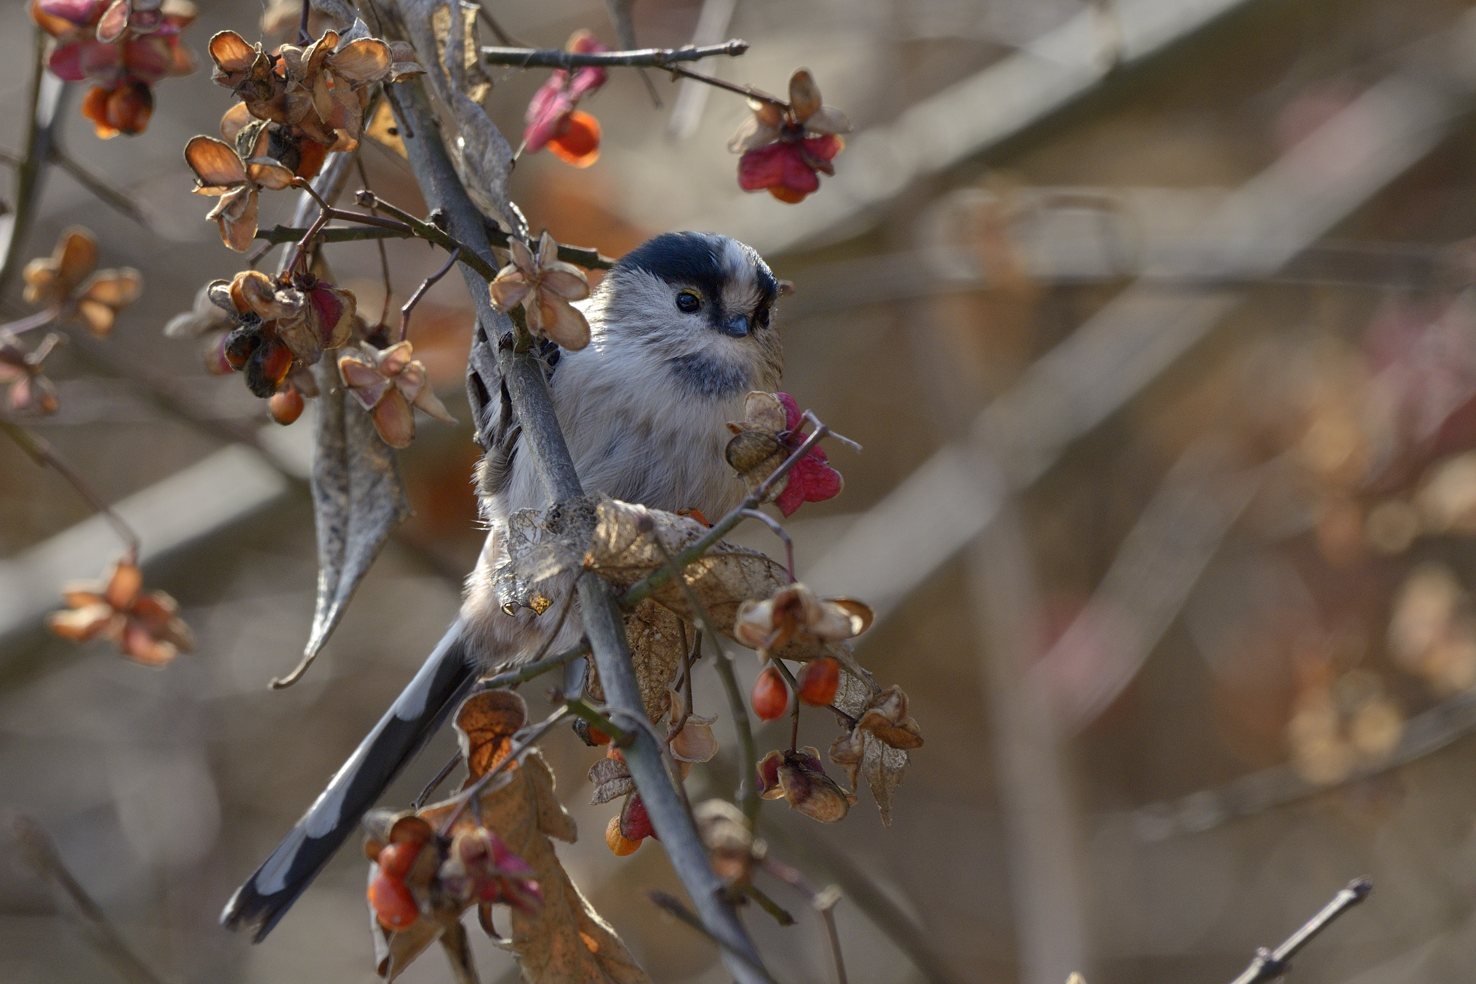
x,y
644,407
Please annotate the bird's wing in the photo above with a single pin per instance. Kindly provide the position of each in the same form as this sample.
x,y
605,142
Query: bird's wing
x,y
498,429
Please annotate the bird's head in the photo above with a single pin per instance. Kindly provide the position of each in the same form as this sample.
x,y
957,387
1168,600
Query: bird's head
x,y
702,305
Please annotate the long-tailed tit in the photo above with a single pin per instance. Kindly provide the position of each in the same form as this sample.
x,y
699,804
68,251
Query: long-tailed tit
x,y
681,328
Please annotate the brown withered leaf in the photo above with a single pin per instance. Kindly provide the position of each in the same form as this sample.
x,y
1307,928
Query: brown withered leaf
x,y
627,545
656,644
358,500
875,750
485,725
565,940
654,635
394,951
611,780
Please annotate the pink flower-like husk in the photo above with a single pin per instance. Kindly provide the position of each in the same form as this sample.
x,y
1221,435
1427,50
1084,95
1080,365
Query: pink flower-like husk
x,y
787,164
557,97
83,13
812,479
547,110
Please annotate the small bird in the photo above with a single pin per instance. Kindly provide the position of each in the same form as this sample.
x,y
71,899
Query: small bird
x,y
681,329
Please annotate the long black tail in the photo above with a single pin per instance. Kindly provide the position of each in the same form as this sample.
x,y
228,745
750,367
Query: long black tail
x,y
415,715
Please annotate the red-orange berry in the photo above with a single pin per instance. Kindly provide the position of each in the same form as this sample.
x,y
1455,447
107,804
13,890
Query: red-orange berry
x,y
596,736
770,695
392,902
286,405
818,681
395,859
618,843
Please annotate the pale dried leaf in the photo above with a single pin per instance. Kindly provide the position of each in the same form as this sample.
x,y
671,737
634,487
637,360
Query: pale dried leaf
x,y
860,752
565,939
656,652
358,500
482,155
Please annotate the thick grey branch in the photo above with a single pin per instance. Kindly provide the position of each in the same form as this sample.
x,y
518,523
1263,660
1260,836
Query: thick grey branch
x,y
542,439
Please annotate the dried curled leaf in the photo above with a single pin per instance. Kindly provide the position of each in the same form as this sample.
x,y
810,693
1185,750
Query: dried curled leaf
x,y
794,612
876,748
563,939
623,542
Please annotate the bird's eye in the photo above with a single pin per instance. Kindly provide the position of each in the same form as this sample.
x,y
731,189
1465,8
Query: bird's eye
x,y
761,316
688,301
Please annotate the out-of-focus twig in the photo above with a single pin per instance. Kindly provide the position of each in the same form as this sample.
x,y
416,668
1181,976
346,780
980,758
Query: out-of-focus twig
x,y
46,92
674,907
1046,881
1272,964
1144,332
1151,577
40,853
40,451
890,919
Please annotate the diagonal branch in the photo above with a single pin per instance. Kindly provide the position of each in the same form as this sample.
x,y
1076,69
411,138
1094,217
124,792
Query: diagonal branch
x,y
544,442
640,58
1272,964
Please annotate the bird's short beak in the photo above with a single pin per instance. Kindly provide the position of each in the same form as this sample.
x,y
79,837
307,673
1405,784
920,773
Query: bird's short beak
x,y
737,326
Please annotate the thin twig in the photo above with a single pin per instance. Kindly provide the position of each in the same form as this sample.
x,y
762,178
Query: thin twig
x,y
781,915
643,588
1271,964
343,234
640,58
590,259
748,789
427,230
778,530
39,851
41,117
429,788
743,90
104,192
824,902
43,454
384,270
425,285
591,716
690,654
674,907
794,689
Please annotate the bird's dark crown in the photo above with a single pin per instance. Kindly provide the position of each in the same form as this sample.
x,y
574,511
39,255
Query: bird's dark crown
x,y
701,260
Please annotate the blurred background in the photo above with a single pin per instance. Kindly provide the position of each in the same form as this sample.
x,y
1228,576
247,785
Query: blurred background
x,y
1154,318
